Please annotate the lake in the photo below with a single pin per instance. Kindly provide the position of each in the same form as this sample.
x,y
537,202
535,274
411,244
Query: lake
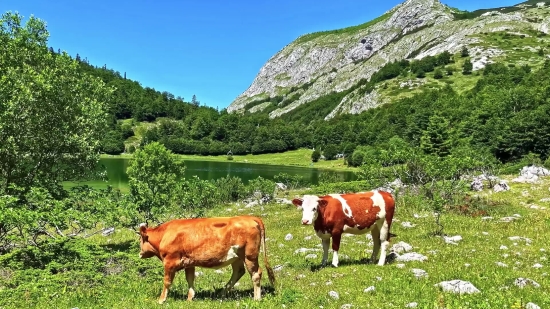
x,y
207,170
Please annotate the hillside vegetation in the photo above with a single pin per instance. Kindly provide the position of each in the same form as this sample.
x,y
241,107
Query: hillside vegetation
x,y
329,66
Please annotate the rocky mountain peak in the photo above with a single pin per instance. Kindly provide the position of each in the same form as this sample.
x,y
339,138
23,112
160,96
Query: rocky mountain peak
x,y
318,64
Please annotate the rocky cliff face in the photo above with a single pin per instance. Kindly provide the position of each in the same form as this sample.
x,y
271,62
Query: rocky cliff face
x,y
318,64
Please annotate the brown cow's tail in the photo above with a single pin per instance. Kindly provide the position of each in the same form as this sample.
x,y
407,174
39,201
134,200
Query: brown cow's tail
x,y
270,272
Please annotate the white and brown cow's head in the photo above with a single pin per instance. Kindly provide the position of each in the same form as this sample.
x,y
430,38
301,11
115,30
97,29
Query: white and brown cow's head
x,y
310,207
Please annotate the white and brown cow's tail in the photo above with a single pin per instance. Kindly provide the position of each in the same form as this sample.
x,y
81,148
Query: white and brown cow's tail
x,y
270,272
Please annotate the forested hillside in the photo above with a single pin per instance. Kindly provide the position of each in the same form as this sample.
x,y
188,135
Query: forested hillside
x,y
506,114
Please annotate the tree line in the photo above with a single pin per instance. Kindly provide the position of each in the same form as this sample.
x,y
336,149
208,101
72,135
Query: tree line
x,y
506,115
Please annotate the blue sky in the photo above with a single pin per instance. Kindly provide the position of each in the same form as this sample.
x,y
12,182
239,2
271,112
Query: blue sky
x,y
210,48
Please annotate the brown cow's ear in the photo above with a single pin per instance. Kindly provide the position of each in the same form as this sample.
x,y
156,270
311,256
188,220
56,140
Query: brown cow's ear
x,y
297,202
323,203
143,232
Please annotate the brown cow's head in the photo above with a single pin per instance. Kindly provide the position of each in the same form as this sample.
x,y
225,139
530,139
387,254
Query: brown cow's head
x,y
310,207
146,249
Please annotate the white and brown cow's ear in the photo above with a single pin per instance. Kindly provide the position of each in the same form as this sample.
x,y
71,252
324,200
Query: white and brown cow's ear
x,y
297,202
323,203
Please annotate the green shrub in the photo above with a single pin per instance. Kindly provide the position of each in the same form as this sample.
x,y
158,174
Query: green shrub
x,y
261,189
230,189
330,151
153,176
316,155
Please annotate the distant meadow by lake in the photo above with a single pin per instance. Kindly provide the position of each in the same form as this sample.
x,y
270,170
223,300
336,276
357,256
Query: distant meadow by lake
x,y
208,170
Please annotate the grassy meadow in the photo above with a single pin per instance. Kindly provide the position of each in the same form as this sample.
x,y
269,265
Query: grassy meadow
x,y
300,157
105,272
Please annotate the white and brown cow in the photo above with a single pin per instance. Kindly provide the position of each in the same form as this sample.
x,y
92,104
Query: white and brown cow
x,y
209,243
354,213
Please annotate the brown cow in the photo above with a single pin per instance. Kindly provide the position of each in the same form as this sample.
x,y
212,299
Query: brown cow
x,y
208,243
356,213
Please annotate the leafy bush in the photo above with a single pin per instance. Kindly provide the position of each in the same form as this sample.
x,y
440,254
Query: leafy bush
x,y
261,189
37,216
153,176
316,155
437,180
330,152
195,196
230,189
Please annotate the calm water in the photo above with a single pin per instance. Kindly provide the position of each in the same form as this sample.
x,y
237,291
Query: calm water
x,y
207,170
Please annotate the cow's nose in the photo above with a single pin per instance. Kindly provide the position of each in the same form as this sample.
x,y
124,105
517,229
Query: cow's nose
x,y
305,221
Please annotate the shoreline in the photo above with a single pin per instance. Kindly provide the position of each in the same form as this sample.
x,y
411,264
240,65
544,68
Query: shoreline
x,y
294,158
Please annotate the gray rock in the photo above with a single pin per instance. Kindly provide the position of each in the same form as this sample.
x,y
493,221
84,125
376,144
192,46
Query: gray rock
x,y
523,282
401,247
283,201
369,289
108,231
411,256
458,286
419,273
304,250
508,219
501,186
311,256
453,240
333,295
518,238
411,305
288,237
476,185
531,306
346,306
534,170
407,224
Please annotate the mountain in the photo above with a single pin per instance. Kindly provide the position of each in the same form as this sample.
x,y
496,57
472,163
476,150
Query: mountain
x,y
326,71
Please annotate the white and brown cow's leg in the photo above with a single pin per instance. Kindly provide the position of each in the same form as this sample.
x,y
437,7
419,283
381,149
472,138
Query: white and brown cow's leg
x,y
336,237
190,277
384,233
238,272
255,271
326,244
375,233
169,273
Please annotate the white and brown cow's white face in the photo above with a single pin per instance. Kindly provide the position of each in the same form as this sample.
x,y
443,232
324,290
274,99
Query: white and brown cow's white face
x,y
310,207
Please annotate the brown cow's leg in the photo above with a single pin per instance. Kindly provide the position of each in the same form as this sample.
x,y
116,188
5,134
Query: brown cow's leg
x,y
335,246
255,271
169,273
238,272
190,277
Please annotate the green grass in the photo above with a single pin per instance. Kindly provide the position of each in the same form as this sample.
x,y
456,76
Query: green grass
x,y
128,282
300,157
347,30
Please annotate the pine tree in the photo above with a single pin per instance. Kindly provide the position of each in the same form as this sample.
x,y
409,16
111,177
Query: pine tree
x,y
467,67
436,139
194,100
464,52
